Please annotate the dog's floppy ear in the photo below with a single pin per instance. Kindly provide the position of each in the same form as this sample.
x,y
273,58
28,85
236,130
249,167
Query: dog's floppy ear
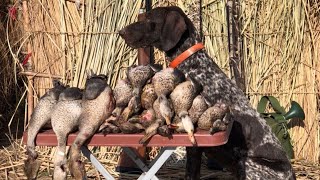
x,y
172,30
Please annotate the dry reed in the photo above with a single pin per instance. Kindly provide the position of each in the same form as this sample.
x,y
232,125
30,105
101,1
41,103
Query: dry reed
x,y
280,50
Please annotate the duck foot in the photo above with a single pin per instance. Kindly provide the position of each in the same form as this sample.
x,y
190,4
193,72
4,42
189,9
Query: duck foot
x,y
108,128
31,168
60,173
77,170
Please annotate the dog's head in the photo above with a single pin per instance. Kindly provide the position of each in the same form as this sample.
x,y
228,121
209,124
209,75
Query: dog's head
x,y
162,28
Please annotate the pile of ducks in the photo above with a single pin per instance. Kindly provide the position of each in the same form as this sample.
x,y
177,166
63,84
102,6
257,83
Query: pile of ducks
x,y
150,99
162,101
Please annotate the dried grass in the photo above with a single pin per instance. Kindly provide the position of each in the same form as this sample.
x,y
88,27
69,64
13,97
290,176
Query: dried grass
x,y
11,166
280,51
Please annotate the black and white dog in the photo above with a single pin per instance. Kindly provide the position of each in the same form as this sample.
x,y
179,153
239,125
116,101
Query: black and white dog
x,y
253,151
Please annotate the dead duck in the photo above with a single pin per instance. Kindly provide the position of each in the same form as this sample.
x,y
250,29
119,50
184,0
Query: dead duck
x,y
109,125
145,119
138,77
64,120
198,107
163,111
166,80
163,105
152,119
214,118
138,123
133,107
40,116
123,92
118,122
129,97
182,98
164,108
164,83
148,96
152,124
151,130
148,118
97,105
131,128
149,122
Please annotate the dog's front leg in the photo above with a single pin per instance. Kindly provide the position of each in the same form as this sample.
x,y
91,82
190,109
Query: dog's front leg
x,y
193,163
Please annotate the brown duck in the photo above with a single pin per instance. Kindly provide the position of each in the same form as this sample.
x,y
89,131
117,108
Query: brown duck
x,y
131,127
149,122
123,92
198,107
214,117
182,98
138,77
148,96
164,83
164,109
40,116
148,118
97,105
153,120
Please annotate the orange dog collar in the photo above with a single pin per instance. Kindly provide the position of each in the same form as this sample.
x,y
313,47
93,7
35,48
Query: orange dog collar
x,y
183,56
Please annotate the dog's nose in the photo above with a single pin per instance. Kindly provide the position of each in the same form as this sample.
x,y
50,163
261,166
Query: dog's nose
x,y
121,32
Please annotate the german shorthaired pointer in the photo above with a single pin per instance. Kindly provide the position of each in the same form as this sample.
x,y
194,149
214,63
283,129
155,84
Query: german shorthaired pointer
x,y
252,152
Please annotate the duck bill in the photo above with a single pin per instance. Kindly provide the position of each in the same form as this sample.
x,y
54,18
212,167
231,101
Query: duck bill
x,y
192,138
173,126
168,121
189,128
117,111
127,112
